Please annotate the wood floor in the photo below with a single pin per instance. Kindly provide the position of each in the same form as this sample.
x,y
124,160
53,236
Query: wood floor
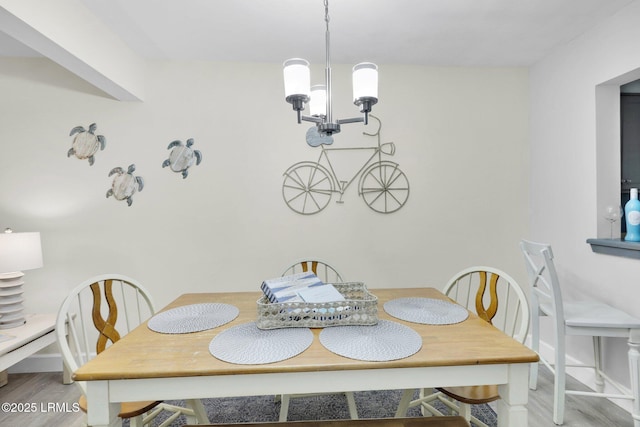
x,y
51,404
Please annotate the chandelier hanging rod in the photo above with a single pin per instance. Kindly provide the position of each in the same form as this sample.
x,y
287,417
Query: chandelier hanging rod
x,y
298,91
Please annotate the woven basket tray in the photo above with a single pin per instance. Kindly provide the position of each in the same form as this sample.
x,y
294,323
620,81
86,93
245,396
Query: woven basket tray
x,y
359,308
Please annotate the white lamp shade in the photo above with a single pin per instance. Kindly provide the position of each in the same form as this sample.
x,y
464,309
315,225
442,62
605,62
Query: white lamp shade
x,y
365,81
297,77
318,101
20,251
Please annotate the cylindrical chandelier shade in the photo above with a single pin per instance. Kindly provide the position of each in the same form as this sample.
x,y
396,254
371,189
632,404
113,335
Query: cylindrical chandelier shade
x,y
318,101
297,80
365,85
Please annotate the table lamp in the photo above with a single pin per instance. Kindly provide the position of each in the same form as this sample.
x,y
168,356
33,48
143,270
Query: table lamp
x,y
18,251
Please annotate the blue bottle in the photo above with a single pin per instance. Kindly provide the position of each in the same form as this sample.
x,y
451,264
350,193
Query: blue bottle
x,y
632,217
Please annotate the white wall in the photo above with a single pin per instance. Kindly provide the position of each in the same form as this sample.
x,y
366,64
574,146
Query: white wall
x,y
566,207
461,139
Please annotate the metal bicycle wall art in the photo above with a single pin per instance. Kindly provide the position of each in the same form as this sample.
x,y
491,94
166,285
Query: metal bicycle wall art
x,y
308,186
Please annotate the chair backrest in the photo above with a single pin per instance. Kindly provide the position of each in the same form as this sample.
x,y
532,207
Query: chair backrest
x,y
323,270
543,278
97,313
494,296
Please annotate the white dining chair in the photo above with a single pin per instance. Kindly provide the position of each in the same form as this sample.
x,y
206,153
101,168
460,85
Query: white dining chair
x,y
323,270
496,298
586,318
96,314
327,274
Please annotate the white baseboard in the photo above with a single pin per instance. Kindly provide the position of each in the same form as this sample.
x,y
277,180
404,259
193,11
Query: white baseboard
x,y
585,376
38,363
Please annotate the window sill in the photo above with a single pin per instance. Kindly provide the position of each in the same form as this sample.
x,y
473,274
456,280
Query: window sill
x,y
615,247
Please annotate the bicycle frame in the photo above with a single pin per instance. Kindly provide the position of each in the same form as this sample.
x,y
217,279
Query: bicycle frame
x,y
341,185
308,185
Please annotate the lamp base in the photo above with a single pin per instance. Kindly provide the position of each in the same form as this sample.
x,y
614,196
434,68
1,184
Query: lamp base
x,y
11,309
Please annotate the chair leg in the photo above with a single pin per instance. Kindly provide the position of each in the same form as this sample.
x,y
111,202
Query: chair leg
x,y
284,407
535,346
285,399
425,400
351,402
200,413
634,370
476,422
597,358
403,406
559,381
464,410
136,421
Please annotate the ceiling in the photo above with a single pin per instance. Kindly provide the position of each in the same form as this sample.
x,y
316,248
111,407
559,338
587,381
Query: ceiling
x,y
428,32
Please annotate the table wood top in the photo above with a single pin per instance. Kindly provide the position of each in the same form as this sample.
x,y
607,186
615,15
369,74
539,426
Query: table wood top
x,y
147,354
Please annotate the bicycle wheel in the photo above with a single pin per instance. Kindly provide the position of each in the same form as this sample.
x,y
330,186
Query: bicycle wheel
x,y
307,188
384,187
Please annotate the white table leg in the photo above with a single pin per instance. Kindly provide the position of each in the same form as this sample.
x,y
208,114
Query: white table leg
x,y
100,412
512,409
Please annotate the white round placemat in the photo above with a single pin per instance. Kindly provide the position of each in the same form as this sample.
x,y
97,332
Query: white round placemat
x,y
428,311
193,318
385,341
246,344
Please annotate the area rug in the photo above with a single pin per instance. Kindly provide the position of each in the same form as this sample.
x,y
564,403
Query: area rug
x,y
371,404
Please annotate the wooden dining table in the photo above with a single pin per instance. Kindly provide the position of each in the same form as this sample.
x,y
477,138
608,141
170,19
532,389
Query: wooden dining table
x,y
147,365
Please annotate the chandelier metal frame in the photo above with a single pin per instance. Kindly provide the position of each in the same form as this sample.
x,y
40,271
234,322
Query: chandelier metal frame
x,y
299,93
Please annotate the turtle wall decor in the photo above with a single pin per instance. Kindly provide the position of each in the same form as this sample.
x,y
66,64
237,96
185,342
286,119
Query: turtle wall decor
x,y
86,143
182,157
125,184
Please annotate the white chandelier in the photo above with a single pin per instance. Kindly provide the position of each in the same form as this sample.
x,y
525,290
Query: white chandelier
x,y
298,90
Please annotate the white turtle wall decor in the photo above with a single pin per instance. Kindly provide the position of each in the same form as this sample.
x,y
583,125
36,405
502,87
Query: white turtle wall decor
x,y
124,184
182,157
86,143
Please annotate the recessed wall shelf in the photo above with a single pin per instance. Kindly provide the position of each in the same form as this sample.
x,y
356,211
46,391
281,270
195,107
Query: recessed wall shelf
x,y
615,247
